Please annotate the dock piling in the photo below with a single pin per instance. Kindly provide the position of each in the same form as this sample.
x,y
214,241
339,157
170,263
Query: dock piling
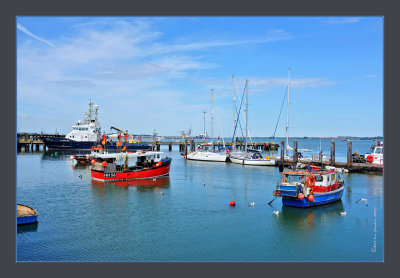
x,y
295,155
333,153
349,156
282,151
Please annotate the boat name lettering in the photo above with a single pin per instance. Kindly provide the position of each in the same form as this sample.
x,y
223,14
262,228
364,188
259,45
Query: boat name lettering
x,y
110,175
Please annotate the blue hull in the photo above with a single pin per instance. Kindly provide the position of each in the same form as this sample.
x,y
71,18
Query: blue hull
x,y
59,143
319,199
26,219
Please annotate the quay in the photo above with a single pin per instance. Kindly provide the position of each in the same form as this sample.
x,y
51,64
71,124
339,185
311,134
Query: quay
x,y
32,142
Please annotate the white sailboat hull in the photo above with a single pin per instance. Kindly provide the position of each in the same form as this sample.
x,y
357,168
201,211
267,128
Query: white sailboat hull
x,y
250,161
206,156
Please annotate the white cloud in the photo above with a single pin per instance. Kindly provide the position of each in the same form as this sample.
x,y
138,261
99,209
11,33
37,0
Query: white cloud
x,y
342,20
26,31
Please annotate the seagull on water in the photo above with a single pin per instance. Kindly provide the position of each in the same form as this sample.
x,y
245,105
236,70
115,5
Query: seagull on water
x,y
204,184
363,200
276,212
162,193
343,213
252,204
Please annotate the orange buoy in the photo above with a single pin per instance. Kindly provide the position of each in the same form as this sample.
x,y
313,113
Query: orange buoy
x,y
104,163
232,203
300,196
311,198
159,163
93,161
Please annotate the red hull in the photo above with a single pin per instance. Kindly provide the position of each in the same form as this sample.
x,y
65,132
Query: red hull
x,y
159,171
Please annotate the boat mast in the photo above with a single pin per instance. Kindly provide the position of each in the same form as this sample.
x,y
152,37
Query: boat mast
x,y
247,106
287,116
234,102
212,119
204,118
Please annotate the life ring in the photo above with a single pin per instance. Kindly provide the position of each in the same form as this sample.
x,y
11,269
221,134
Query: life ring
x,y
93,147
99,146
310,181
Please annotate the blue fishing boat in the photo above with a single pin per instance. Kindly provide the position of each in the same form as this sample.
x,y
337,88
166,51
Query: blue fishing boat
x,y
26,215
309,188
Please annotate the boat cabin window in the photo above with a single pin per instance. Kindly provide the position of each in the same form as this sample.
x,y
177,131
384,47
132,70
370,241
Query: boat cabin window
x,y
333,177
378,151
294,178
318,177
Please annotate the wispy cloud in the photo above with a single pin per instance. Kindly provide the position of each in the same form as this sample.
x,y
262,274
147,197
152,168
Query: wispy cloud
x,y
370,75
26,31
295,82
342,20
271,35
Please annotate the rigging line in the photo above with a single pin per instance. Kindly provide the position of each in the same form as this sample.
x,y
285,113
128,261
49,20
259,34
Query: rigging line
x,y
238,113
283,102
237,120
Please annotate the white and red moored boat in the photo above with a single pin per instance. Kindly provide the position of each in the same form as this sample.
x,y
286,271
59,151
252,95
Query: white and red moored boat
x,y
376,154
129,166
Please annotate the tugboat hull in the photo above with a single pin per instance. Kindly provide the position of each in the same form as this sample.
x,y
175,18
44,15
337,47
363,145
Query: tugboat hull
x,y
58,143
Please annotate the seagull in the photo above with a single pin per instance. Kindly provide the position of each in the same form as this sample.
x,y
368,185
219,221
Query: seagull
x,y
343,213
252,204
276,212
363,200
162,193
204,184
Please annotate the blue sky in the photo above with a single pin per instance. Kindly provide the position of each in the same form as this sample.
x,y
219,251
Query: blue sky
x,y
150,73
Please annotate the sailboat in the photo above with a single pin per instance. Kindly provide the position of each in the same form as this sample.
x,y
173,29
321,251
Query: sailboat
x,y
250,157
204,154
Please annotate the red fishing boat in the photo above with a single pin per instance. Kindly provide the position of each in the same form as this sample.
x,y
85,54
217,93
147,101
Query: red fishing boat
x,y
129,166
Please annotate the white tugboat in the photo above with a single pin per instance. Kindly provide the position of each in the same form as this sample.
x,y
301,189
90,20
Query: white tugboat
x,y
86,134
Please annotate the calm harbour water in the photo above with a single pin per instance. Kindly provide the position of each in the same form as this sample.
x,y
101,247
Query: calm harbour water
x,y
82,220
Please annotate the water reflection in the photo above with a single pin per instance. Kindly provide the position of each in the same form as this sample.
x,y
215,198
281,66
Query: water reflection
x,y
307,218
142,185
31,227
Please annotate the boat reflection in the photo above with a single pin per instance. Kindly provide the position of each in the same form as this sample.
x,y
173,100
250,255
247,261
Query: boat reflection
x,y
31,227
140,184
306,218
